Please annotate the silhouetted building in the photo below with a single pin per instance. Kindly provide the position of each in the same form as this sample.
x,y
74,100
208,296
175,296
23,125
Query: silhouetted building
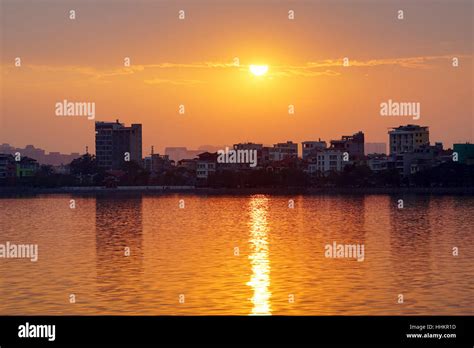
x,y
26,167
326,160
7,149
283,151
7,167
423,157
35,153
311,147
377,161
408,138
114,142
206,165
52,158
465,153
352,144
189,164
157,163
261,160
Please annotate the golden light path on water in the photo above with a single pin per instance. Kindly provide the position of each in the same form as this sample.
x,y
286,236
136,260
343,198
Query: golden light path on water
x,y
260,278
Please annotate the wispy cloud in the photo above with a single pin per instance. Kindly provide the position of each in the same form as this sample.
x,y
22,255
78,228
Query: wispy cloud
x,y
300,71
405,62
158,81
325,67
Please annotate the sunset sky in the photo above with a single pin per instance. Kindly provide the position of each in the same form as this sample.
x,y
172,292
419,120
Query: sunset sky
x,y
190,62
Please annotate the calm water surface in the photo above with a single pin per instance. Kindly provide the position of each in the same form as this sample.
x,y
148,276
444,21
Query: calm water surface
x,y
238,255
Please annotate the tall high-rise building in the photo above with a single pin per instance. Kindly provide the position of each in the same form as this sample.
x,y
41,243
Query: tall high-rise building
x,y
408,138
113,141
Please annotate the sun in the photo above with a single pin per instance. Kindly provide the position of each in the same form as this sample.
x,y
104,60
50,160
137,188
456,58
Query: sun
x,y
258,70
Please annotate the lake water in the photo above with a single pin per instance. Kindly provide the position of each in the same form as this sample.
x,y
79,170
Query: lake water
x,y
242,255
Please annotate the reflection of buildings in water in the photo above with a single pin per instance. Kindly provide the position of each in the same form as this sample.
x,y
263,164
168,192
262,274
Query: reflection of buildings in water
x,y
342,219
410,238
357,222
118,226
410,226
260,278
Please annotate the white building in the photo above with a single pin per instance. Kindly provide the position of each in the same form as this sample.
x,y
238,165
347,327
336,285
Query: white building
x,y
326,161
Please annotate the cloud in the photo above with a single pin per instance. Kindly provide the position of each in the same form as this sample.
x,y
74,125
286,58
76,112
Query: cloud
x,y
406,62
158,81
328,67
324,67
301,72
203,65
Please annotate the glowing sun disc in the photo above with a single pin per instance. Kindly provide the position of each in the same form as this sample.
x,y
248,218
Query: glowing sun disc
x,y
258,70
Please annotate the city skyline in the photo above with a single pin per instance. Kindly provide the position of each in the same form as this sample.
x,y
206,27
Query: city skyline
x,y
411,154
215,148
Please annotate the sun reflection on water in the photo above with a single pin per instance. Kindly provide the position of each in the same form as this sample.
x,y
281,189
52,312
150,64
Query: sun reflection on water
x,y
260,278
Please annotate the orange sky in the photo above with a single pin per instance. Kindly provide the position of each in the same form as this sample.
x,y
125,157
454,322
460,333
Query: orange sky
x,y
190,62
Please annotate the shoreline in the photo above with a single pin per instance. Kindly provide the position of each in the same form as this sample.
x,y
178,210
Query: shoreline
x,y
164,190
